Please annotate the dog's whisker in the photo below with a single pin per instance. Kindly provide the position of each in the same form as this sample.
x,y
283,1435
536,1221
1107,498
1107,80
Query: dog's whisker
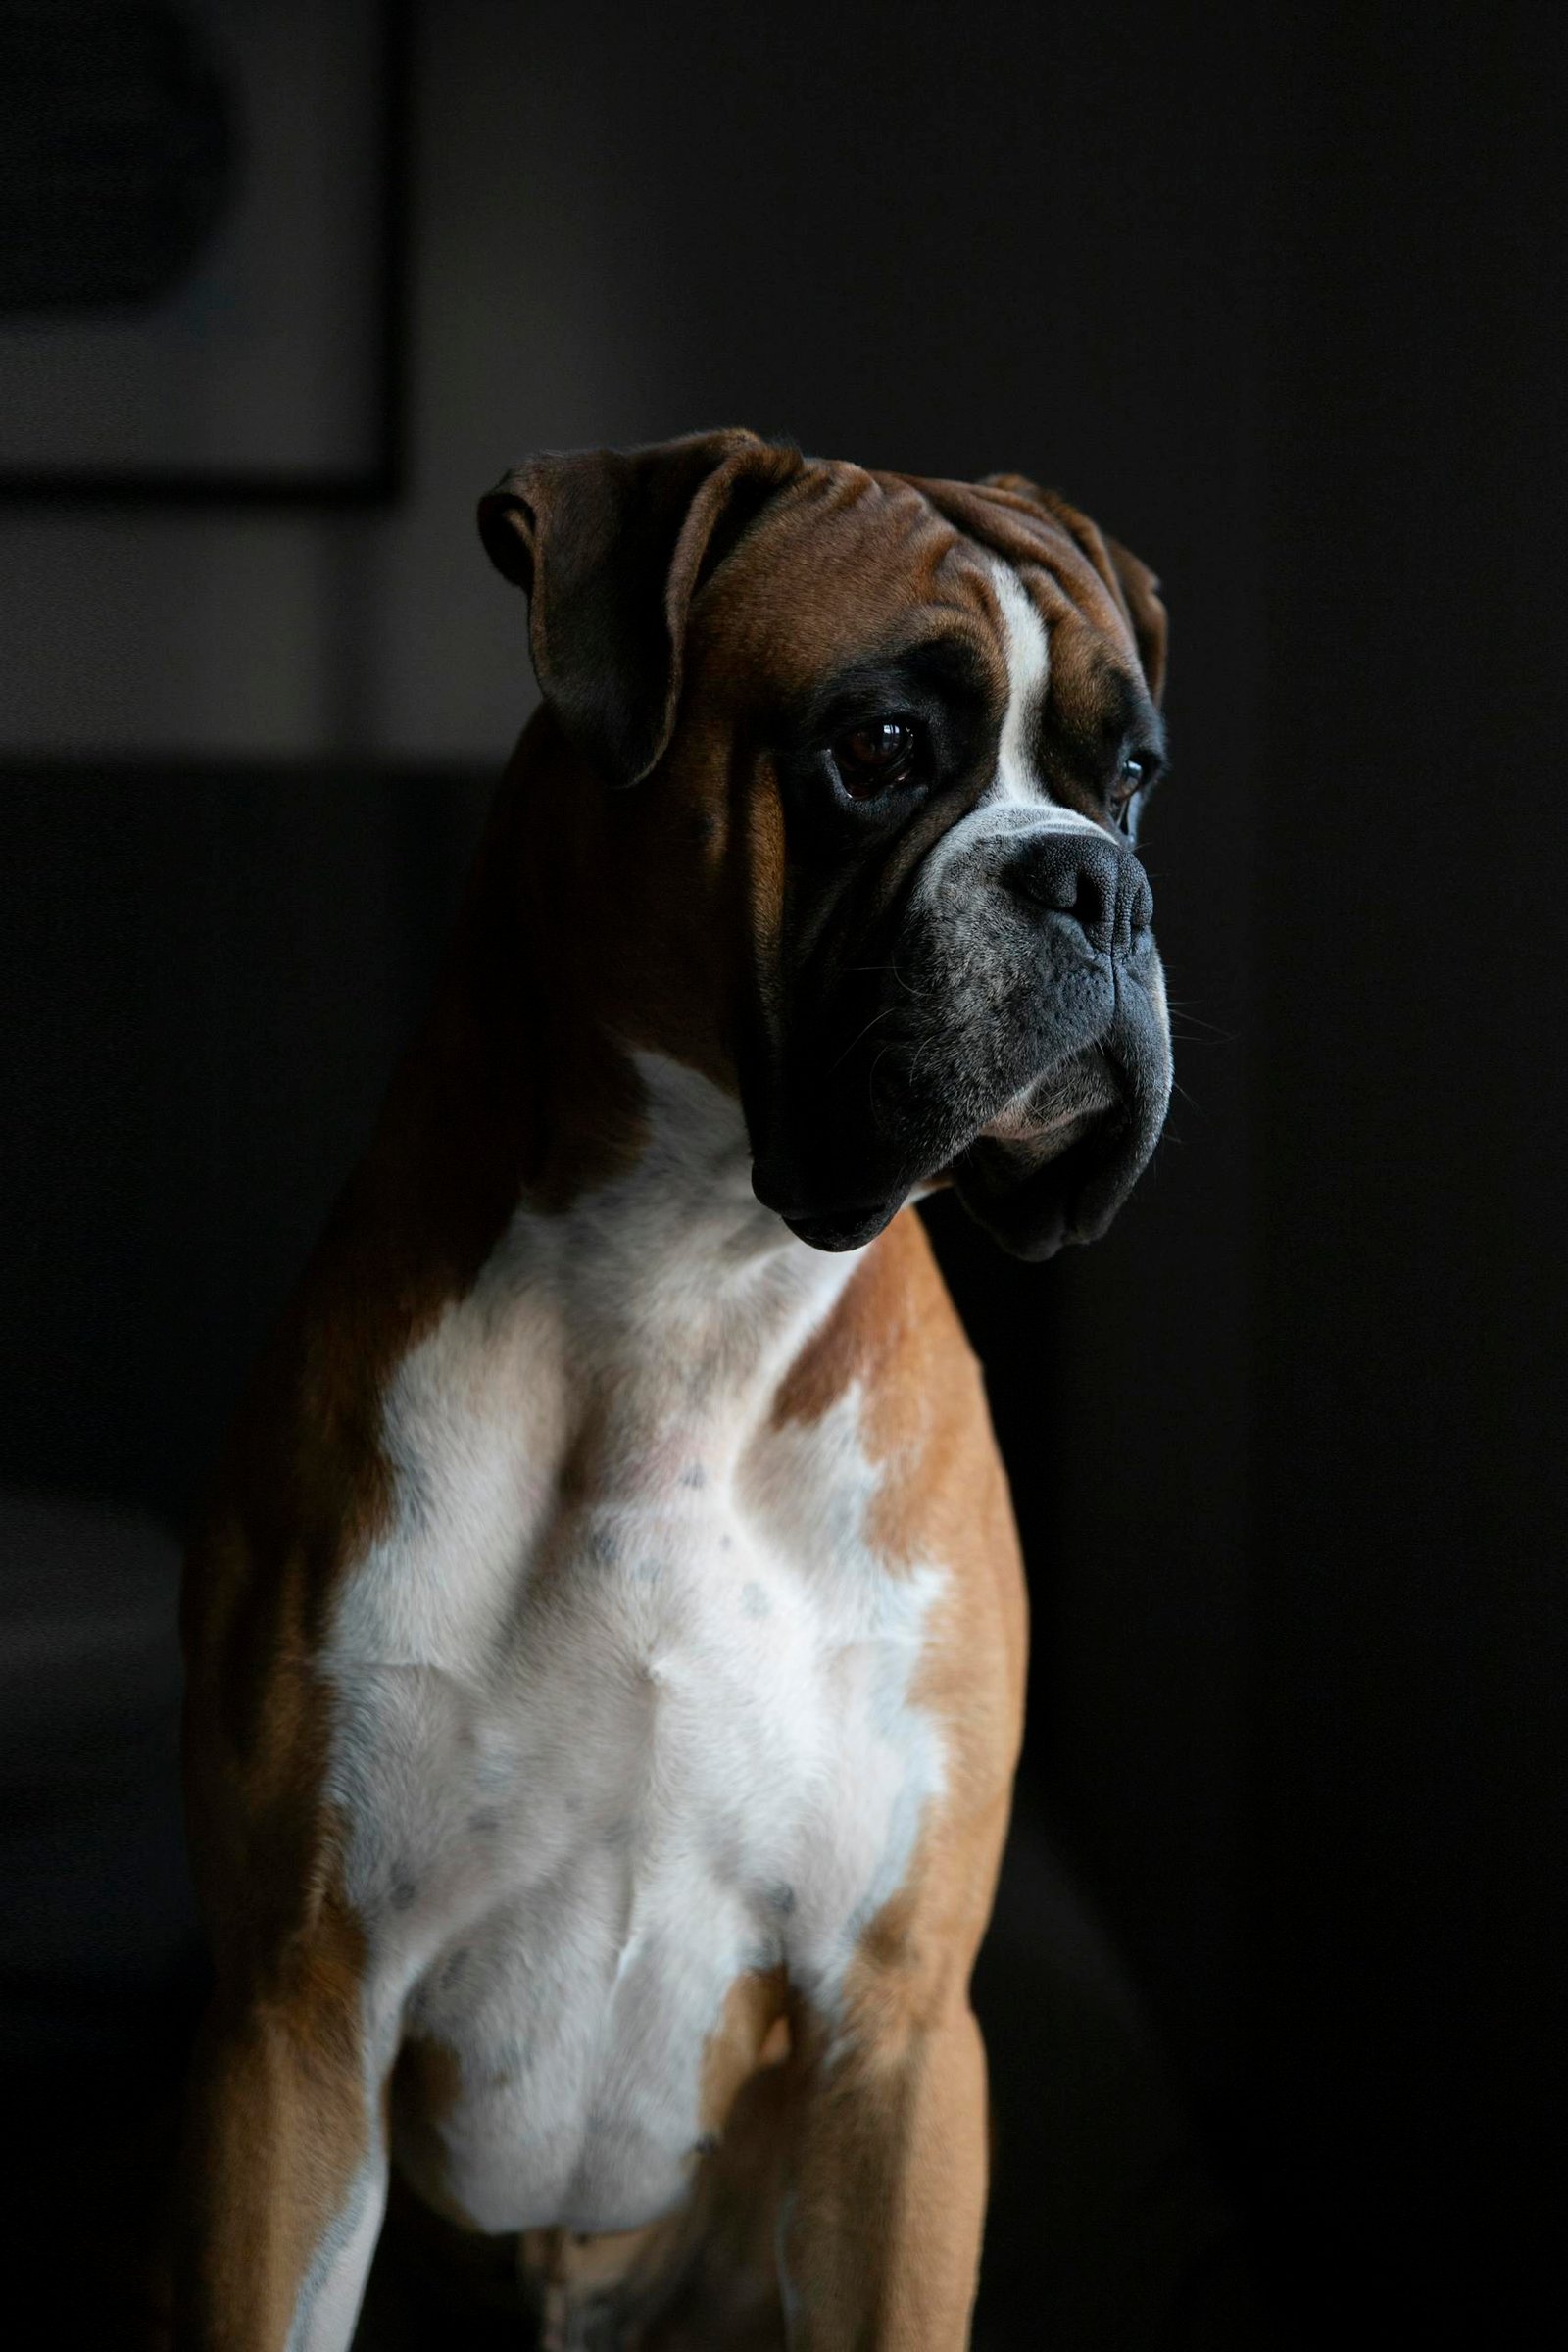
x,y
855,1040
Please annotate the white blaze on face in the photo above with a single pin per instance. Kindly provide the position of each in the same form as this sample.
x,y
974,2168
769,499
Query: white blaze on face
x,y
1017,803
1019,783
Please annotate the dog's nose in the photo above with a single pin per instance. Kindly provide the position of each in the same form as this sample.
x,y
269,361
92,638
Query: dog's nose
x,y
1094,878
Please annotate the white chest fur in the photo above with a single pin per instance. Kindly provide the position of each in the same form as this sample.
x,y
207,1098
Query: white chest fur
x,y
600,1751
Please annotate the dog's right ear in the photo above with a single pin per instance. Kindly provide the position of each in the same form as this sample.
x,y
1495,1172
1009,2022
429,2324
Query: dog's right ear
x,y
610,546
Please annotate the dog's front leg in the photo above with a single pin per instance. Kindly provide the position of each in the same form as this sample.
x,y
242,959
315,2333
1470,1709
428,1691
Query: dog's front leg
x,y
880,2245
285,2170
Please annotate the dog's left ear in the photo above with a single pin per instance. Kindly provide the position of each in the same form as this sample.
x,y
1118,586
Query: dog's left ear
x,y
611,546
1130,580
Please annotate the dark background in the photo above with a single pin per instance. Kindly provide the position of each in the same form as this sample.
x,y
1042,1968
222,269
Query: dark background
x,y
1278,296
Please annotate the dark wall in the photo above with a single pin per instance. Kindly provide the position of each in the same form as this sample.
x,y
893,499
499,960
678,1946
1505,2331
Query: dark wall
x,y
1277,295
1408,1471
206,975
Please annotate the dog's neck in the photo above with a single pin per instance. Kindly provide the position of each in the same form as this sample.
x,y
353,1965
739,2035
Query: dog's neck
x,y
680,1302
569,1148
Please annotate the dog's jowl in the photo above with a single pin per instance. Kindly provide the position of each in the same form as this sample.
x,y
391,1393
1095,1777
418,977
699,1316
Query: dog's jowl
x,y
606,1642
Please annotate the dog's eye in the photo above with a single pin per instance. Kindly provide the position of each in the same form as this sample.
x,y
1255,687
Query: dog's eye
x,y
872,757
1138,770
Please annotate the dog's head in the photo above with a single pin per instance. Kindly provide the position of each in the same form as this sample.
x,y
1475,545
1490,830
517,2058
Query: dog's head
x,y
892,737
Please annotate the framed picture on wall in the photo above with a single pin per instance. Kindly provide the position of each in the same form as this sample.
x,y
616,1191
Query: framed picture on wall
x,y
200,235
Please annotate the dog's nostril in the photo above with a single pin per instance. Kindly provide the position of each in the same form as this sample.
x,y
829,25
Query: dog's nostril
x,y
1052,882
1093,904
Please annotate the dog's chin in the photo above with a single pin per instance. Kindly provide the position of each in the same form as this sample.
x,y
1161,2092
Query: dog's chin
x,y
1055,1164
1034,1209
1052,1164
1039,1145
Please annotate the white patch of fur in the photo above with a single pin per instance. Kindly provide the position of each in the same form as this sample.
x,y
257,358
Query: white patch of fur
x,y
596,1756
1016,804
1028,651
1156,985
1028,656
328,2301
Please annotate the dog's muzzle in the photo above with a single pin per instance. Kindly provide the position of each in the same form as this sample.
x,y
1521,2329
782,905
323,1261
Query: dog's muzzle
x,y
1059,1159
1019,1049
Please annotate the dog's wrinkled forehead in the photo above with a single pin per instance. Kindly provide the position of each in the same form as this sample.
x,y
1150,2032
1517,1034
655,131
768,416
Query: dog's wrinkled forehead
x,y
848,566
695,576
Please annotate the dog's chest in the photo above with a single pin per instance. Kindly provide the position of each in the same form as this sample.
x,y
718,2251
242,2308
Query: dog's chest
x,y
599,1759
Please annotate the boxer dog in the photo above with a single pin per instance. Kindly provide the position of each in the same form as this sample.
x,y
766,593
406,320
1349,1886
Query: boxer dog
x,y
606,1644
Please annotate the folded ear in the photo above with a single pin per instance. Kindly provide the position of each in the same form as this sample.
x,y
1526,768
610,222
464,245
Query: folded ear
x,y
611,546
1131,581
